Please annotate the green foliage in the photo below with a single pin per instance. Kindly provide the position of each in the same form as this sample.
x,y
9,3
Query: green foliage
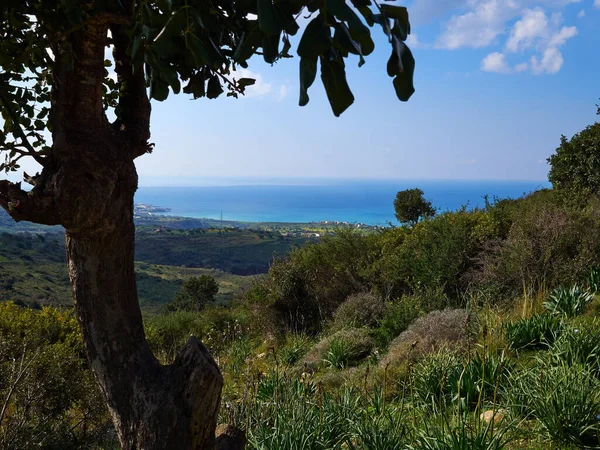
x,y
548,244
564,399
200,60
364,309
465,433
342,349
578,345
295,347
411,206
575,166
537,331
195,294
568,302
594,280
443,378
48,395
396,318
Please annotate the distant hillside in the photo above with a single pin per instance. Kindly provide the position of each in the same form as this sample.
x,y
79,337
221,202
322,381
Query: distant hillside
x,y
33,271
241,252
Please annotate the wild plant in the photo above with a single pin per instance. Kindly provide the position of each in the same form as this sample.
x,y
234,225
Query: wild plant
x,y
295,347
579,344
568,302
340,353
594,279
537,331
565,399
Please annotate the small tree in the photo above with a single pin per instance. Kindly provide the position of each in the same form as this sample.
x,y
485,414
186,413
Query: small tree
x,y
195,294
411,206
575,167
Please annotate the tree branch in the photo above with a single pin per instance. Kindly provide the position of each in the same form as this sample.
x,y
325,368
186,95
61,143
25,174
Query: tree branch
x,y
33,206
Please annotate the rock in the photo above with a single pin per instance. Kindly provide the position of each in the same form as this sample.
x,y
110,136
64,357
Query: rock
x,y
489,415
229,437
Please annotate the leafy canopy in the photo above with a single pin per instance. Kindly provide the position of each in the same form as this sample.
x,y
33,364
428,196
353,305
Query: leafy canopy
x,y
575,167
192,46
195,294
411,206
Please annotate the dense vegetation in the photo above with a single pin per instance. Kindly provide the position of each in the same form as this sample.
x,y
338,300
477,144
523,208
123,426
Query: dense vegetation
x,y
473,329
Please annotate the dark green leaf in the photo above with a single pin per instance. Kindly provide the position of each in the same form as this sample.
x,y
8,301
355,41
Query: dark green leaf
x,y
214,89
197,49
401,22
308,73
315,40
333,75
170,76
345,42
270,44
245,82
358,30
403,83
267,18
159,90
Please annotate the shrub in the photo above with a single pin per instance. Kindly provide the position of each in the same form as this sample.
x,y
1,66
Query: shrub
x,y
565,399
295,347
538,331
396,318
343,348
568,302
430,376
449,328
359,310
195,294
49,396
548,244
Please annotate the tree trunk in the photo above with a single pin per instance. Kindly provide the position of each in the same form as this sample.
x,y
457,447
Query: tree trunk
x,y
88,186
153,407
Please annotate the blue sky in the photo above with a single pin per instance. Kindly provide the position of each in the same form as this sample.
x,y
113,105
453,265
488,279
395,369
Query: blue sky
x,y
498,82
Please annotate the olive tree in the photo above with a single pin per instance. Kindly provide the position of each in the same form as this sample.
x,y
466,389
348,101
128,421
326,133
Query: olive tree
x,y
56,97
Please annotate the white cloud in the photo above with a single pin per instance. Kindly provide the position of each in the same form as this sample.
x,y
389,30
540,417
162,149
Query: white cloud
x,y
581,13
482,22
495,62
476,28
413,42
523,67
259,89
597,3
533,25
551,62
283,92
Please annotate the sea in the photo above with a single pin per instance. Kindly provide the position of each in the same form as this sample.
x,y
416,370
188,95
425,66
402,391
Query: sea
x,y
315,200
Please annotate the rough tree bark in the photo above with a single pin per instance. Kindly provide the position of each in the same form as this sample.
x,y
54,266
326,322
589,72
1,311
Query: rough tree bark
x,y
87,185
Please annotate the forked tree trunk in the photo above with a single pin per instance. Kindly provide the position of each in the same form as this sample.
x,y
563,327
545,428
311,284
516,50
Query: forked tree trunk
x,y
88,186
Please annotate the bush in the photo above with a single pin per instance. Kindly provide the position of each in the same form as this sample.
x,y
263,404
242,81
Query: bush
x,y
49,396
342,349
195,294
565,399
295,347
396,318
359,310
548,244
568,302
450,328
538,331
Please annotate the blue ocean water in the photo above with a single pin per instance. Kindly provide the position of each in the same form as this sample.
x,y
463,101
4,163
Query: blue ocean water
x,y
356,201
